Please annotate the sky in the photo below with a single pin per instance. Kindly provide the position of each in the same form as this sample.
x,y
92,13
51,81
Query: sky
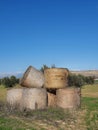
x,y
37,32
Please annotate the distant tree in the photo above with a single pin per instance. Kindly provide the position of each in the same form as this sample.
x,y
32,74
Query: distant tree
x,y
17,81
13,80
75,80
89,80
53,66
92,79
0,81
43,68
6,82
9,82
79,80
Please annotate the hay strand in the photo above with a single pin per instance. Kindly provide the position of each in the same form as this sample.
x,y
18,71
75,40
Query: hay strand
x,y
34,98
51,100
68,98
55,78
14,97
32,78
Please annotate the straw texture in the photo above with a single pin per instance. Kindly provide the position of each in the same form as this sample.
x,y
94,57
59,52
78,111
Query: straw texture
x,y
68,98
32,78
34,98
55,78
51,100
14,97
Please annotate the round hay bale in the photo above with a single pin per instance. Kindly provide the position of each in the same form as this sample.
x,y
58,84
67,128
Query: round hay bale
x,y
68,98
51,100
14,97
55,78
34,98
32,78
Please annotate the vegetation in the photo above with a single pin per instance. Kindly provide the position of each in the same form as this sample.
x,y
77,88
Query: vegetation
x,y
96,81
43,68
9,81
3,92
90,91
91,115
79,80
85,118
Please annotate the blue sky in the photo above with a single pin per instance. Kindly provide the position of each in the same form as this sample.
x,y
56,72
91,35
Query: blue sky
x,y
37,32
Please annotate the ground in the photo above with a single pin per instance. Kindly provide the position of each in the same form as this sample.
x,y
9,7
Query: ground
x,y
85,118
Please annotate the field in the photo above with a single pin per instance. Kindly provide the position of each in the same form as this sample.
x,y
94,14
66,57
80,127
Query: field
x,y
85,118
87,73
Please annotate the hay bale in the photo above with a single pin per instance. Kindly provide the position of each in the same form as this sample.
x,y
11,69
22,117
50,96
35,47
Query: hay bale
x,y
51,100
68,98
55,78
32,78
34,98
14,97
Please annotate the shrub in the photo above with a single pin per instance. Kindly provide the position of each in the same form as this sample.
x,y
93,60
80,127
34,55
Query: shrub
x,y
43,68
79,80
0,81
6,82
89,80
74,80
9,82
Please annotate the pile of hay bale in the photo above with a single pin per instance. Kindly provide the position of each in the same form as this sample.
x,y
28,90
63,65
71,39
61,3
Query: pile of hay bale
x,y
62,96
41,90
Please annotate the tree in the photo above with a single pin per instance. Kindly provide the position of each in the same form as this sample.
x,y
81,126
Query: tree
x,y
43,68
79,80
0,81
89,80
6,82
53,66
9,82
13,80
75,80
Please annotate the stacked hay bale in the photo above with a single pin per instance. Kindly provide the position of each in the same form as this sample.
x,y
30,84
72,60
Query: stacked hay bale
x,y
33,98
51,99
55,78
32,78
68,98
32,95
64,97
14,97
41,90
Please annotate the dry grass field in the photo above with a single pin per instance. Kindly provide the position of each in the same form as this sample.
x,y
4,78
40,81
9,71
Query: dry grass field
x,y
87,73
85,118
3,92
90,91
